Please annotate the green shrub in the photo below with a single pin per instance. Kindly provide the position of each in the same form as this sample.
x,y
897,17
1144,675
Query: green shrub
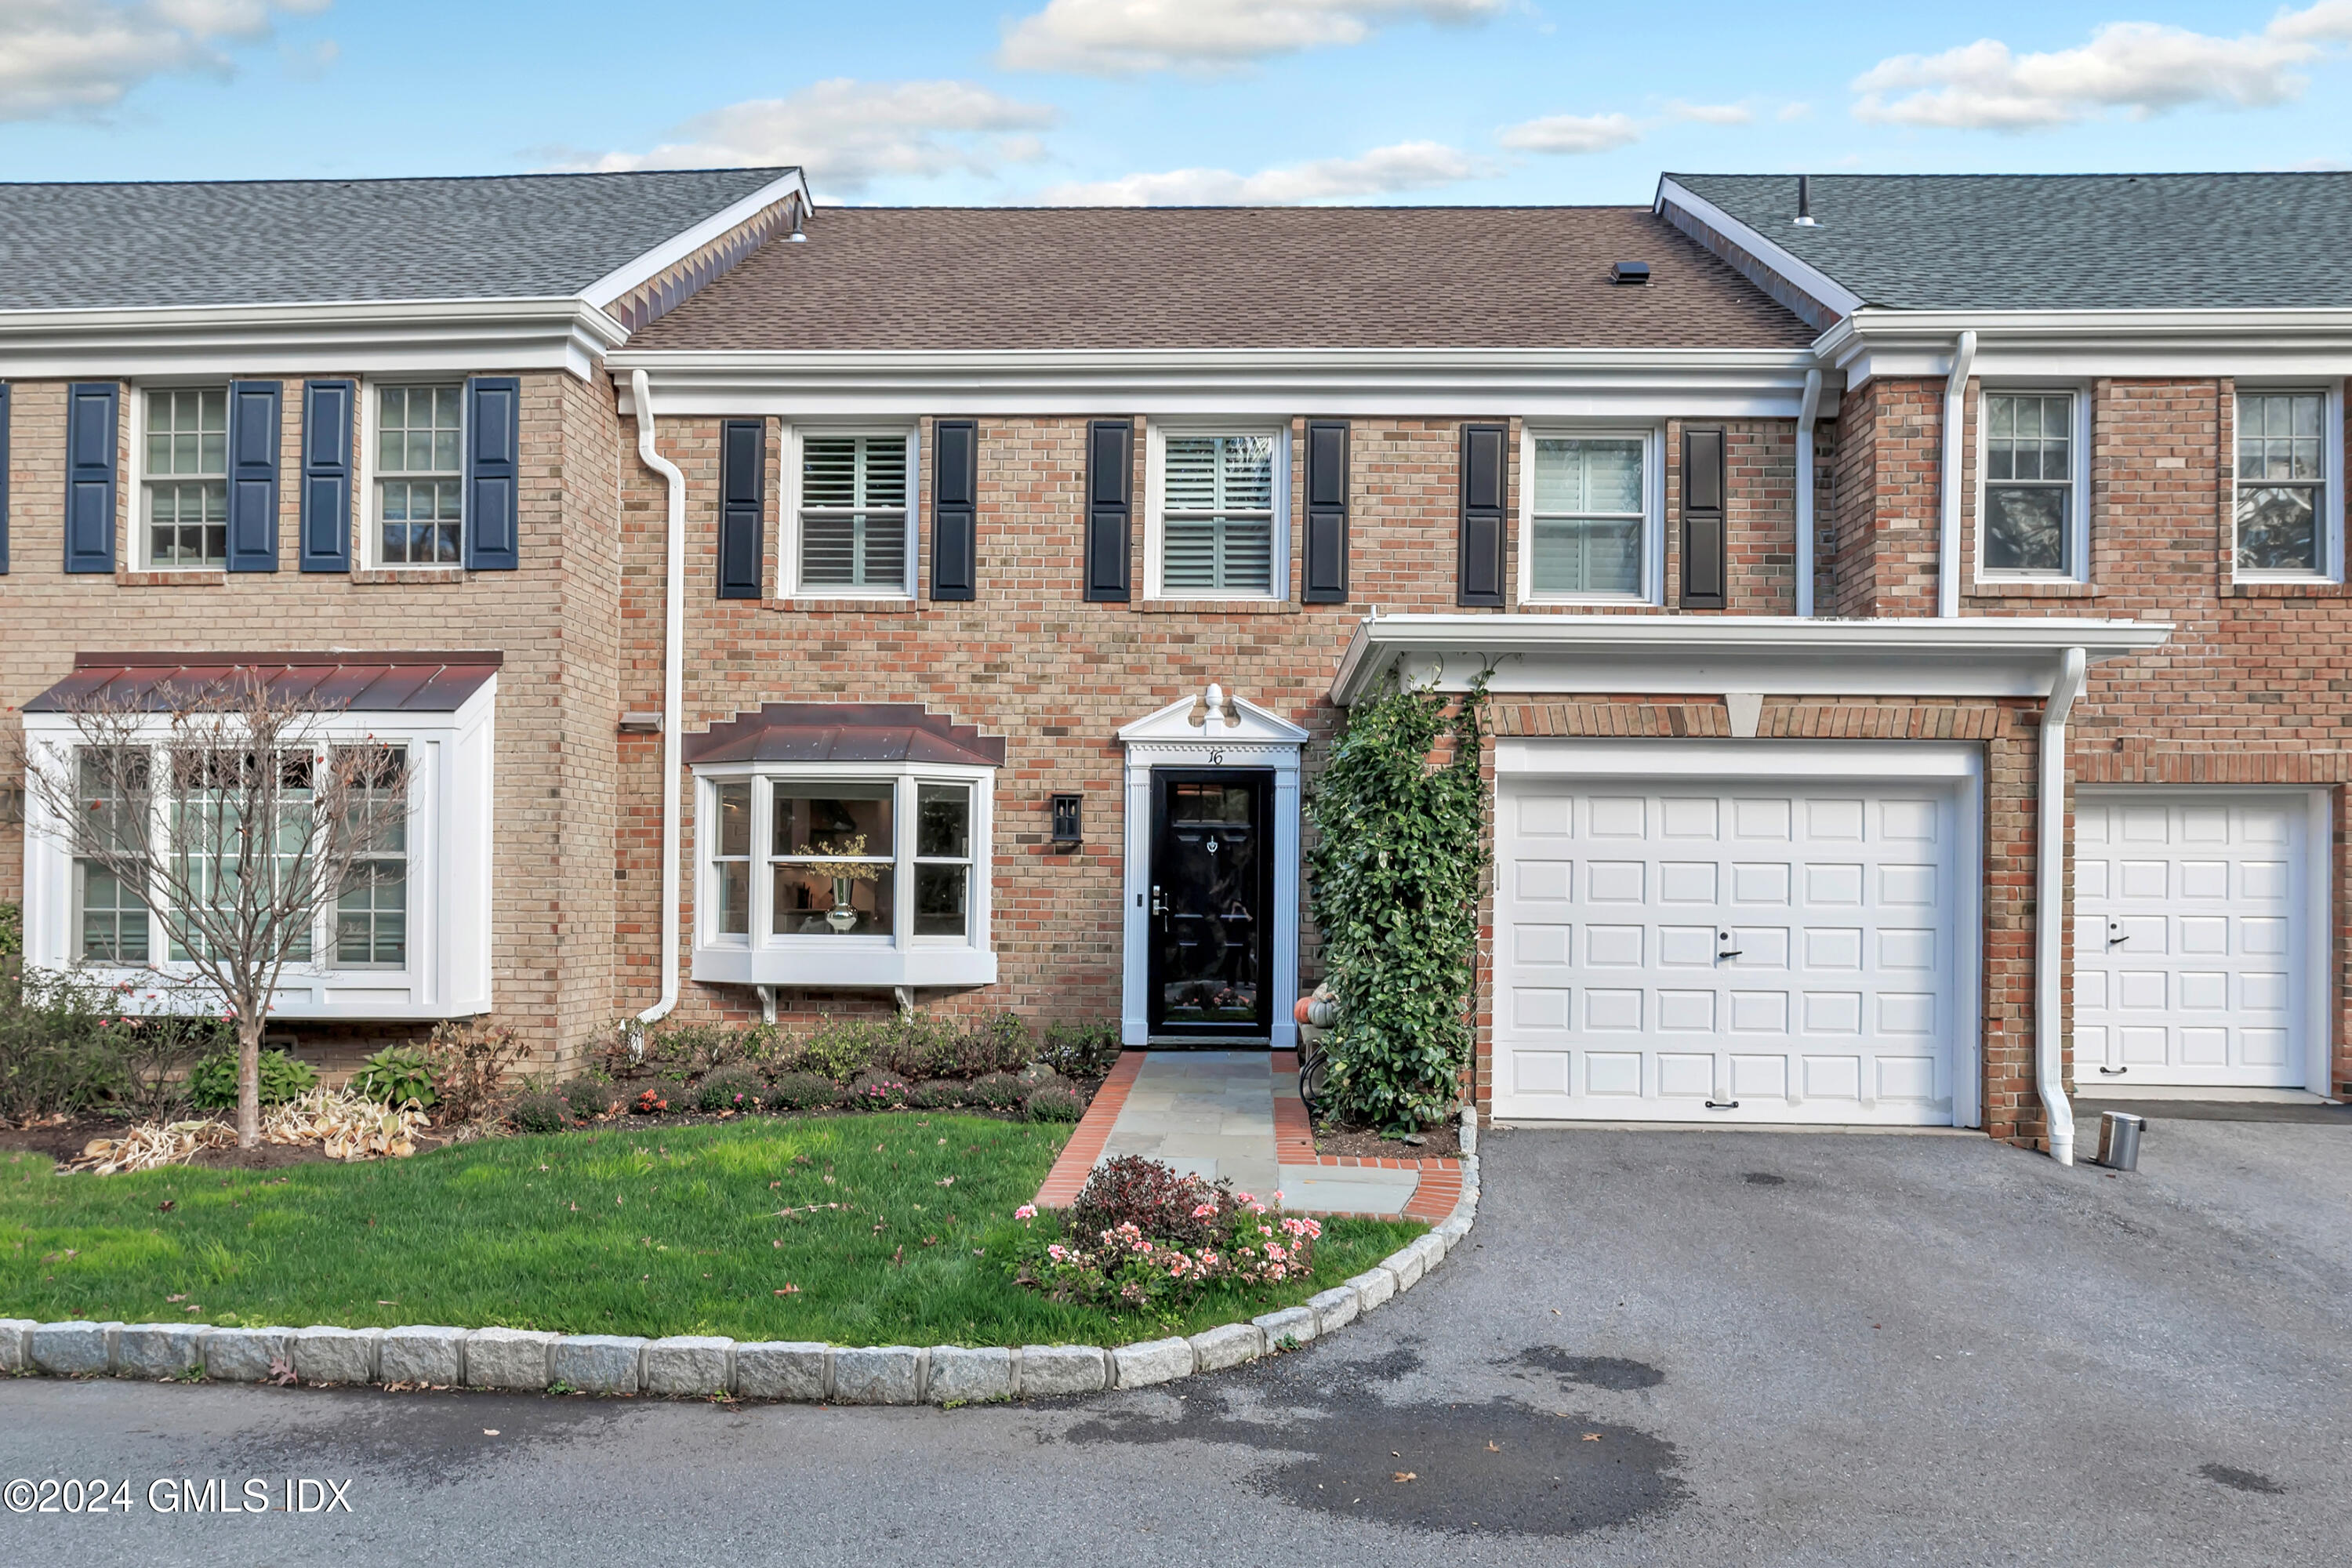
x,y
159,1050
588,1097
877,1091
801,1091
61,1044
841,1049
939,1094
1080,1050
396,1075
12,930
997,1092
1394,878
541,1113
729,1089
1054,1102
212,1085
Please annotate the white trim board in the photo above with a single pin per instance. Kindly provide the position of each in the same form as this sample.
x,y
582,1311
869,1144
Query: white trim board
x,y
638,270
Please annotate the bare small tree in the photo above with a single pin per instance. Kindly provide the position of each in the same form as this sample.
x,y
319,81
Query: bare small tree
x,y
225,811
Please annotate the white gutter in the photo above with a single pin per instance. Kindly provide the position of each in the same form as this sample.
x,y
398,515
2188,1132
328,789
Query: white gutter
x,y
1947,538
1807,412
2048,909
673,687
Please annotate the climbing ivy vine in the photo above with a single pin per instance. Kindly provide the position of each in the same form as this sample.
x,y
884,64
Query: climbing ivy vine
x,y
1394,887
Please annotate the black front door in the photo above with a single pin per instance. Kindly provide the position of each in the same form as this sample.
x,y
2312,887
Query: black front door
x,y
1212,901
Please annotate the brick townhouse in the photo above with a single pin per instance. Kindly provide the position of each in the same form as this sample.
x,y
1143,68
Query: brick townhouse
x,y
801,611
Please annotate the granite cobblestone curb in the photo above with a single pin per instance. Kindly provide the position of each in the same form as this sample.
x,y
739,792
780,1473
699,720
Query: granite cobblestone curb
x,y
707,1366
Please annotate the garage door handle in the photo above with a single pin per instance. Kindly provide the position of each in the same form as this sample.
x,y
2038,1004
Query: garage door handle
x,y
1735,953
1723,1105
2114,1072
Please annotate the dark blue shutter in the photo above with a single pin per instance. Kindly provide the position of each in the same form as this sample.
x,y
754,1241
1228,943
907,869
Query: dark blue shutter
x,y
327,408
1705,546
955,501
1484,463
253,442
1110,507
93,414
493,440
742,507
1325,580
4,478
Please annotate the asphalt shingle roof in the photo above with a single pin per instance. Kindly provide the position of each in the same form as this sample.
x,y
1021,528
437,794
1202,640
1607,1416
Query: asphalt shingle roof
x,y
1226,278
95,246
2056,242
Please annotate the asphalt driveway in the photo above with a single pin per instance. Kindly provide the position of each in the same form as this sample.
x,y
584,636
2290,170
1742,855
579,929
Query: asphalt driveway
x,y
1702,1348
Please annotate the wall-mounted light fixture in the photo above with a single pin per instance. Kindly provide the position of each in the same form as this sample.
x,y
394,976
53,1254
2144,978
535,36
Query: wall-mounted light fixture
x,y
1068,828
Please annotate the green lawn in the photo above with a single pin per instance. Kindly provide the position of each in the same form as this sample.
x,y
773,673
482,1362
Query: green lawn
x,y
637,1230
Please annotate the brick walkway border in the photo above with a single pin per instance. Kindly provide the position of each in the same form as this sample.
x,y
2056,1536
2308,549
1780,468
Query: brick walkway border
x,y
1085,1145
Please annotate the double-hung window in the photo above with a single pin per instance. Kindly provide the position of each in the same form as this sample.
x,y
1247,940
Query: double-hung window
x,y
1588,516
185,476
371,907
2285,512
1219,504
2031,522
420,475
853,514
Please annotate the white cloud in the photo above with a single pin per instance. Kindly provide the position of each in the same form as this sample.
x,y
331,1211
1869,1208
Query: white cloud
x,y
848,133
1572,133
65,57
1712,113
2142,67
1384,171
1122,37
1788,112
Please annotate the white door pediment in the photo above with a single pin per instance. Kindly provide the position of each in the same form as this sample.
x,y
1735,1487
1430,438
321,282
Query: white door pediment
x,y
1225,722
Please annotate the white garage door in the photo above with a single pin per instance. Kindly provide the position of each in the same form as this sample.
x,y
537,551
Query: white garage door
x,y
1691,951
2191,931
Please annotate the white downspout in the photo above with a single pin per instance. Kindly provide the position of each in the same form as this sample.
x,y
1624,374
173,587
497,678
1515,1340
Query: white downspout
x,y
1807,412
2049,909
1947,540
641,398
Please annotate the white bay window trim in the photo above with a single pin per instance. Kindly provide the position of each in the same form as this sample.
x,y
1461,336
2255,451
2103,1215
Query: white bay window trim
x,y
791,576
1652,590
763,956
1155,507
448,969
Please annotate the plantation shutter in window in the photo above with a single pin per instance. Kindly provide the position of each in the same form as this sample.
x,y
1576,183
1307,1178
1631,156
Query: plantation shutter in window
x,y
742,507
1111,491
1484,467
853,512
1704,567
1326,580
955,516
327,409
4,478
253,445
493,440
93,411
1217,515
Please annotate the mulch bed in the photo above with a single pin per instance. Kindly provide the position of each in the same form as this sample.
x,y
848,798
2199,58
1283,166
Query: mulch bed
x,y
1443,1142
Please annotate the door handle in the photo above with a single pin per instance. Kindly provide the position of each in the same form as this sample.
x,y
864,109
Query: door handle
x,y
1159,907
1735,953
1723,1105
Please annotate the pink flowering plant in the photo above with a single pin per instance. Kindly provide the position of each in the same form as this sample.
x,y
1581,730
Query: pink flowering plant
x,y
1142,1238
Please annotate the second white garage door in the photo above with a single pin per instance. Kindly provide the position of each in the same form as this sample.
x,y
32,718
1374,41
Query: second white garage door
x,y
1690,950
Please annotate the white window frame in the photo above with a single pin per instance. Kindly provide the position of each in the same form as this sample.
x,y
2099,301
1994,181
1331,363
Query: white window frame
x,y
142,544
2331,488
788,521
2077,568
450,941
1654,508
762,958
1155,505
364,472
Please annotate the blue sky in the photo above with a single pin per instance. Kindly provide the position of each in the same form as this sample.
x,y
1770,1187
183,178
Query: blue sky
x,y
1168,101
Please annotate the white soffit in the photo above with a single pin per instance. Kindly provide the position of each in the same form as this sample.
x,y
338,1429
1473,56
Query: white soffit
x,y
1694,656
1875,342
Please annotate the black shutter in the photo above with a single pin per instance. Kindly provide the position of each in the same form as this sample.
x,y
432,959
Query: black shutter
x,y
93,411
742,507
1326,576
1485,467
327,408
955,509
253,445
4,478
1706,570
493,464
1110,507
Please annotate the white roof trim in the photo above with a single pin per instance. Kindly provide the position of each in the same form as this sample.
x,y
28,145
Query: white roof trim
x,y
1880,341
672,251
1799,273
1250,724
1780,655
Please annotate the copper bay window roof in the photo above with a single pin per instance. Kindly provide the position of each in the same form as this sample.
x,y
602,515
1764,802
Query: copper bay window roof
x,y
406,682
844,732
